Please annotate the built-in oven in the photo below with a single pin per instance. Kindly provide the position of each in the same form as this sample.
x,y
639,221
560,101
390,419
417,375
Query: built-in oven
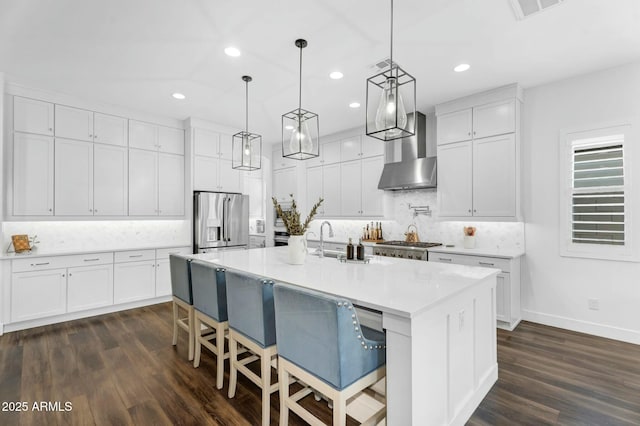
x,y
280,234
280,238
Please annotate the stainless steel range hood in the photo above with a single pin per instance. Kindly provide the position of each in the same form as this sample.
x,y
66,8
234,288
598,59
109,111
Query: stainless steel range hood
x,y
407,165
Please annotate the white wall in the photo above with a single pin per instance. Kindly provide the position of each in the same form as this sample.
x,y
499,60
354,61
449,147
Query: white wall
x,y
555,289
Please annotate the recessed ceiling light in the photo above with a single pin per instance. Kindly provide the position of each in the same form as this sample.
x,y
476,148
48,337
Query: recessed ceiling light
x,y
354,105
178,96
462,67
232,51
336,75
288,127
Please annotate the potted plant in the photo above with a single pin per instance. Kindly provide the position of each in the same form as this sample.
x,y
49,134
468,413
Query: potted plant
x,y
291,218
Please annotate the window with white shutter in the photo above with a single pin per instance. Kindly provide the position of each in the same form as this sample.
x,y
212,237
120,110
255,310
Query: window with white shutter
x,y
598,192
595,205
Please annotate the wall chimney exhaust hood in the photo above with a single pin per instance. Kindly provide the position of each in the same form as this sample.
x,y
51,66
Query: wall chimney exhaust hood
x,y
407,164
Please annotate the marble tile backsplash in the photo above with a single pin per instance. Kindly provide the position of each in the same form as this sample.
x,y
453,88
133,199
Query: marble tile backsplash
x,y
60,237
430,228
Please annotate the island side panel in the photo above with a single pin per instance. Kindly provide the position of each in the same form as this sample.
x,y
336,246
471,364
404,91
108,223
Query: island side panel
x,y
446,361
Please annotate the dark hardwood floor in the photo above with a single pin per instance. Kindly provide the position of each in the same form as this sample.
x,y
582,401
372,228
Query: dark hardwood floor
x,y
121,369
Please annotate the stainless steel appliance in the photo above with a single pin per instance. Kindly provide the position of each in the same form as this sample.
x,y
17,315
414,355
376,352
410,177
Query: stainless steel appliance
x,y
280,234
404,249
221,221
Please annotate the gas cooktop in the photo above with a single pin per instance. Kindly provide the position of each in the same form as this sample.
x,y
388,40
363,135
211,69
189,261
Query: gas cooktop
x,y
408,244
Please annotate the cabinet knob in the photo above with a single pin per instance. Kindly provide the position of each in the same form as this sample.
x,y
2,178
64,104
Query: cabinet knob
x,y
70,274
469,134
90,210
474,210
469,210
50,210
63,275
474,132
50,129
95,210
90,135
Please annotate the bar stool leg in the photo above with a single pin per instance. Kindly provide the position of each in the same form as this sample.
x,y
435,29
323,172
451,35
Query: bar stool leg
x,y
175,324
220,355
265,361
192,332
233,359
339,411
198,345
283,384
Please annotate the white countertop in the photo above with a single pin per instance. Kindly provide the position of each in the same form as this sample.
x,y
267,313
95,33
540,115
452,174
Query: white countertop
x,y
399,286
505,253
37,253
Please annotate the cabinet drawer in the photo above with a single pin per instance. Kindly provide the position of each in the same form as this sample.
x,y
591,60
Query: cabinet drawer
x,y
165,252
485,261
88,259
38,264
134,255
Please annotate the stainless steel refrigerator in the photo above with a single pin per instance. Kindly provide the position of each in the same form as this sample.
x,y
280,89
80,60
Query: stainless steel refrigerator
x,y
221,221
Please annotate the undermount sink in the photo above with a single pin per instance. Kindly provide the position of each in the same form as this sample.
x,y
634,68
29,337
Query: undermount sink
x,y
329,253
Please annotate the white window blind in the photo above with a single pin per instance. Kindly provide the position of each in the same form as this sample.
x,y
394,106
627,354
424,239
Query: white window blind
x,y
598,192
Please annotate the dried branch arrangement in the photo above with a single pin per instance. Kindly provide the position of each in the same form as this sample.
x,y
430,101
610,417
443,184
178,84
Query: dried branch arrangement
x,y
291,218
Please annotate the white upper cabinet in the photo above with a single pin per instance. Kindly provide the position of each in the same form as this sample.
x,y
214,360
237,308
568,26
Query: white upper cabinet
x,y
171,140
206,143
205,173
110,180
372,196
360,146
74,123
279,162
143,135
32,116
331,189
372,147
284,183
155,138
109,129
455,126
493,119
314,188
479,155
329,154
73,178
225,148
80,124
143,183
32,175
350,187
350,149
170,185
494,171
455,179
229,179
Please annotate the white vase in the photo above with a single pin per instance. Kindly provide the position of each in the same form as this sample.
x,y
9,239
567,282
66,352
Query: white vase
x,y
297,249
469,241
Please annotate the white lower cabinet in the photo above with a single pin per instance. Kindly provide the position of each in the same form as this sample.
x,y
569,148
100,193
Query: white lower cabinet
x,y
38,294
163,278
134,281
508,310
89,287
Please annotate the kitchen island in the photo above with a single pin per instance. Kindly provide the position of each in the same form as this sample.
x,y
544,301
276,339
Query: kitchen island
x,y
439,321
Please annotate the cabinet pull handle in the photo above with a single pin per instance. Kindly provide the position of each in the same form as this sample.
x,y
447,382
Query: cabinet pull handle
x,y
485,263
444,259
135,255
92,260
39,264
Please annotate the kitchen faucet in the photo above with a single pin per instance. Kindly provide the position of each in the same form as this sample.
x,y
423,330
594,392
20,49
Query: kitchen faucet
x,y
320,250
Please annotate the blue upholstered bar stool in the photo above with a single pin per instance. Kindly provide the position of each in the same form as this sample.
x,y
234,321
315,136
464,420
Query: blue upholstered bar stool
x,y
321,343
182,299
210,303
252,324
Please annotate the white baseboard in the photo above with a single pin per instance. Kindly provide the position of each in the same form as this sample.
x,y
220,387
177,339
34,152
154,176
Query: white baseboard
x,y
22,325
610,332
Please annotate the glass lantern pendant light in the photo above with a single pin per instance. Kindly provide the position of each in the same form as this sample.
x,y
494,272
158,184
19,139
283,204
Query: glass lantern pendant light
x,y
246,147
391,101
300,128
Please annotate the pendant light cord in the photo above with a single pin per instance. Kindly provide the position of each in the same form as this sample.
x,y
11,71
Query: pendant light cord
x,y
300,86
391,53
246,118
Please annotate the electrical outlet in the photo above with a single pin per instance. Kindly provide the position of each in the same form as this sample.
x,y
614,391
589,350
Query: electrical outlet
x,y
461,319
594,304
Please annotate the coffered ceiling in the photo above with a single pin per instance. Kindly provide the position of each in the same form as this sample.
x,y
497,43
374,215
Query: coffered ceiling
x,y
137,53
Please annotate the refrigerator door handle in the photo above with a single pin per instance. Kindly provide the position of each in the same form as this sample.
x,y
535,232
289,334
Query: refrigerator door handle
x,y
225,228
